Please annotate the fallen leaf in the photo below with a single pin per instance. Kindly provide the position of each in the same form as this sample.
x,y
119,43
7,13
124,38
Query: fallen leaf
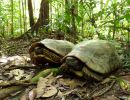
x,y
126,77
24,97
125,85
60,94
124,97
69,92
50,91
112,97
17,73
3,61
71,83
44,87
41,85
18,60
32,94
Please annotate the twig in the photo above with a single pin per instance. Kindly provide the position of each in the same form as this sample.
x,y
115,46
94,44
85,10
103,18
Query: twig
x,y
22,67
7,91
96,92
15,83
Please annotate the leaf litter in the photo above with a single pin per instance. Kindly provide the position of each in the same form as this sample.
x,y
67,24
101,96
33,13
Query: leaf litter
x,y
59,87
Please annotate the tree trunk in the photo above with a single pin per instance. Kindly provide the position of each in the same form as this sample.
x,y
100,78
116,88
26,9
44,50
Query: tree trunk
x,y
30,10
101,7
73,19
20,19
12,19
43,16
74,13
25,17
23,9
45,12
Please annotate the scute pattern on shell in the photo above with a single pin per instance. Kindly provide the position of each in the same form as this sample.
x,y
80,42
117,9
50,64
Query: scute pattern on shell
x,y
62,47
99,56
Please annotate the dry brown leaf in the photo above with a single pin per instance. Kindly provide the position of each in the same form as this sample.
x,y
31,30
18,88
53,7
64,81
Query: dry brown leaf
x,y
24,97
3,61
69,92
50,91
17,73
126,77
71,83
42,83
60,94
44,87
32,94
112,97
18,60
50,78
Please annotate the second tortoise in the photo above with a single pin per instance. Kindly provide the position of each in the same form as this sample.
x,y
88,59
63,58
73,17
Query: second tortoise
x,y
93,58
49,51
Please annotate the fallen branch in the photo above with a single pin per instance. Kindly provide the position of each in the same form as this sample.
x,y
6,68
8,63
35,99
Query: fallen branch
x,y
9,90
16,82
22,67
96,92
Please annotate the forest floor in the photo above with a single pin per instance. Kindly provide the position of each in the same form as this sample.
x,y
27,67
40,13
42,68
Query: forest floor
x,y
61,87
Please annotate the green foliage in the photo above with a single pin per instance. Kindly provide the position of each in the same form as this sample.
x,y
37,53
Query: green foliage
x,y
128,1
91,19
107,19
5,18
45,73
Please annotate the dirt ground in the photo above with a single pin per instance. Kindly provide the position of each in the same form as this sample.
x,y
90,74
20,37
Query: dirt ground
x,y
64,87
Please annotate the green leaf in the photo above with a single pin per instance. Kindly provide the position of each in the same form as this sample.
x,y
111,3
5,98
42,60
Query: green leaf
x,y
127,16
45,73
78,19
114,1
107,2
128,1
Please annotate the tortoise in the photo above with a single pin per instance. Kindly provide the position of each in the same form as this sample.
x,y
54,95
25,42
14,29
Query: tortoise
x,y
49,51
92,58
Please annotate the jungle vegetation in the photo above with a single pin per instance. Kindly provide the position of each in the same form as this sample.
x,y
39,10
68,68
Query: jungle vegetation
x,y
108,19
73,20
23,22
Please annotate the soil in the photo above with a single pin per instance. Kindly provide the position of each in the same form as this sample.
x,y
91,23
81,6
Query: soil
x,y
84,89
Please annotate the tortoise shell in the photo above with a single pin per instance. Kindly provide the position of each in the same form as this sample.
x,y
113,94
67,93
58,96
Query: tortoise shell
x,y
98,56
49,51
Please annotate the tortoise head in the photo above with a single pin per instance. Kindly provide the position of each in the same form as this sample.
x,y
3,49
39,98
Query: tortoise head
x,y
38,50
46,55
74,63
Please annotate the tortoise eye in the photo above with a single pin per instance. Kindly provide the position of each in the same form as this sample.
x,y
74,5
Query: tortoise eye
x,y
38,50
